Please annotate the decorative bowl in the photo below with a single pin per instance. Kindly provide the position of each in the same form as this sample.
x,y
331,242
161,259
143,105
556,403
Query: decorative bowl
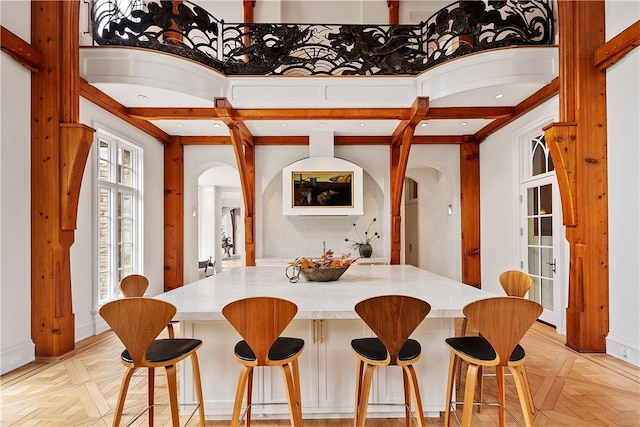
x,y
320,274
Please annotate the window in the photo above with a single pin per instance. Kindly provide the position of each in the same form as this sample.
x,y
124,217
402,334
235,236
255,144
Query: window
x,y
118,206
540,158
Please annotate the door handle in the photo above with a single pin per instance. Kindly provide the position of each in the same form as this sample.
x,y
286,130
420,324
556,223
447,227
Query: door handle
x,y
553,265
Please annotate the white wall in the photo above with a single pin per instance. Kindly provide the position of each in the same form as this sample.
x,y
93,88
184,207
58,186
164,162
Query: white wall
x,y
83,278
16,347
499,195
623,129
436,169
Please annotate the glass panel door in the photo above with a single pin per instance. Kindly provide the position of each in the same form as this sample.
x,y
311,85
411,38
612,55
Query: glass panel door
x,y
540,246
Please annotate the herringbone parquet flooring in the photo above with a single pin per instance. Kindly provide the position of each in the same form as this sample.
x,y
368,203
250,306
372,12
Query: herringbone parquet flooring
x,y
81,389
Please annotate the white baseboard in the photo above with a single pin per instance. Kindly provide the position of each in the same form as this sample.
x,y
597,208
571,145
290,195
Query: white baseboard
x,y
623,349
17,356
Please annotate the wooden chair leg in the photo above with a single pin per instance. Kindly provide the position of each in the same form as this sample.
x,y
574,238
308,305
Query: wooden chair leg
x,y
198,386
415,391
522,396
124,386
453,361
359,373
480,388
247,419
172,386
364,394
237,406
407,398
501,394
292,398
463,332
525,378
151,377
296,382
469,393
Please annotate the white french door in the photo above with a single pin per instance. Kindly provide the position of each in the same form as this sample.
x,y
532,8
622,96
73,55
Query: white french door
x,y
541,244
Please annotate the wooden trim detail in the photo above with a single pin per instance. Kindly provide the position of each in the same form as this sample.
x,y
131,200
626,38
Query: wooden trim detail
x,y
75,144
561,140
25,54
394,11
173,214
96,96
470,212
616,48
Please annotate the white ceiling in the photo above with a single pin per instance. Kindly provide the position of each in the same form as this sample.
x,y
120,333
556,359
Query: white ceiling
x,y
149,79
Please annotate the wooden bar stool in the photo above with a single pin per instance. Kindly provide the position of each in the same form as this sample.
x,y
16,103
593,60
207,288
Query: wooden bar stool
x,y
502,322
137,322
392,318
135,285
260,321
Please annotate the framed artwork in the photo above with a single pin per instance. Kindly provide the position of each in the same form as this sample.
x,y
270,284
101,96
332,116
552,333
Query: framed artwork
x,y
322,189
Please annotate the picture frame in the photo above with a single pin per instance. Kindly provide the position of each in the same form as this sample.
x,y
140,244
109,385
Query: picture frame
x,y
317,189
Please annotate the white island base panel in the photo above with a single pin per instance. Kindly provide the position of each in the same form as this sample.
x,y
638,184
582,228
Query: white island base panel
x,y
327,371
327,321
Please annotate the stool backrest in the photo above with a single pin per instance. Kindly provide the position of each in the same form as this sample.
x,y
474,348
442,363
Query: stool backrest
x,y
503,321
393,318
515,283
137,322
134,285
260,321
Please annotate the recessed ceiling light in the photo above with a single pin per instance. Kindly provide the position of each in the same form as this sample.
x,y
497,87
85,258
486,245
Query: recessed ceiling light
x,y
216,124
464,123
361,125
322,124
179,125
498,96
283,124
424,124
143,97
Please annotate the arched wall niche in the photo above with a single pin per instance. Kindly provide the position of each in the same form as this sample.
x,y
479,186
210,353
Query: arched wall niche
x,y
286,237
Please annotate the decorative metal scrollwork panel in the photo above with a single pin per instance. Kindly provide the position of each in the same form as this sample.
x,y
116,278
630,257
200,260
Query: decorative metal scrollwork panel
x,y
302,49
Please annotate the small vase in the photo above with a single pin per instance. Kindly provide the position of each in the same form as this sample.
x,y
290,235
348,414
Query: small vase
x,y
365,250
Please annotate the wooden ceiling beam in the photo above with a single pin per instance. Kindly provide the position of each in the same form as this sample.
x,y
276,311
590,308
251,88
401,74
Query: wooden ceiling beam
x,y
539,97
245,114
419,110
93,94
24,53
616,48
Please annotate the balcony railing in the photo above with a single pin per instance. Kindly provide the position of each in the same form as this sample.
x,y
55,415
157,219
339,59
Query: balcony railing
x,y
185,29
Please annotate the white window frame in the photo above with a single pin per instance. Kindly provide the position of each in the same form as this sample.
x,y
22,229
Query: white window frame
x,y
115,271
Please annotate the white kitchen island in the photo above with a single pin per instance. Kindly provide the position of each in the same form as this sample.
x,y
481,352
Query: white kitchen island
x,y
326,320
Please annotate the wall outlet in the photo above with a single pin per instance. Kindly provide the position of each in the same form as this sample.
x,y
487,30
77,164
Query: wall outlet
x,y
624,352
15,360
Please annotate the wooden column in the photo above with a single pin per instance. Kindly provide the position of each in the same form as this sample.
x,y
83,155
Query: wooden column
x,y
470,212
173,214
59,150
394,11
578,146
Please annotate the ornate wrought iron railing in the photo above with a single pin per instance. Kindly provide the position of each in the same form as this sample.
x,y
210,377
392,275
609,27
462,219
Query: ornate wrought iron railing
x,y
185,29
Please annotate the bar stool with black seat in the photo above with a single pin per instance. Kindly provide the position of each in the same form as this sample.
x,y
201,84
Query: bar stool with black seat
x,y
501,322
137,322
135,285
392,318
260,321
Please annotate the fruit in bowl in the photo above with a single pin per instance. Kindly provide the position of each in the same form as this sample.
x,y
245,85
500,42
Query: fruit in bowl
x,y
323,269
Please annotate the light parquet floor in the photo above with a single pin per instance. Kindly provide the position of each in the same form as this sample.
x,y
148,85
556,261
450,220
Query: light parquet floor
x,y
81,389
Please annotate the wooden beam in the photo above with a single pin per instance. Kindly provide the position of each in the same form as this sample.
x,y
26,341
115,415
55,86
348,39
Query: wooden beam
x,y
171,113
205,140
394,11
470,212
445,113
417,113
439,139
93,94
544,94
243,147
616,48
25,54
583,129
173,214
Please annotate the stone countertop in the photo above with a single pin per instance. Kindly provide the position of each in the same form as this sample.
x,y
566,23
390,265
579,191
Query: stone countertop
x,y
203,300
